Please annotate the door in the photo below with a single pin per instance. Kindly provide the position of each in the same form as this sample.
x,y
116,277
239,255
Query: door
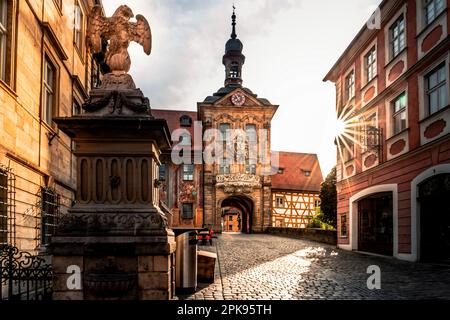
x,y
434,199
375,225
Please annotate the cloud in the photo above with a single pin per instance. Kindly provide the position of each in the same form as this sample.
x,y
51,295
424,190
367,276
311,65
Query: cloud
x,y
289,45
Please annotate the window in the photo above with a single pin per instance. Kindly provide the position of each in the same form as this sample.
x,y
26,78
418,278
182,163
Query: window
x,y
279,202
370,62
162,172
186,140
49,91
78,26
348,148
3,207
224,167
369,132
76,108
433,9
398,37
437,96
250,130
188,172
224,129
3,39
234,70
187,211
95,74
317,203
49,214
251,152
344,233
307,173
281,171
250,168
230,218
185,121
350,86
399,114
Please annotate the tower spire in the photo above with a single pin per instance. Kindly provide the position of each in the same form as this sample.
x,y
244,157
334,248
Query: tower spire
x,y
233,58
233,18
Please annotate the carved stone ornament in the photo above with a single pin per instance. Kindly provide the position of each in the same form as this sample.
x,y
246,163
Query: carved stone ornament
x,y
111,223
238,183
120,32
115,101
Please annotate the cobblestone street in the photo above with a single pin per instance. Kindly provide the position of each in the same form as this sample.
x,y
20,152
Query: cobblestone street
x,y
263,267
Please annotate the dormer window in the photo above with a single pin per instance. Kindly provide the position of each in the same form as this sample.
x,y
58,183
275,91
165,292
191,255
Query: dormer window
x,y
186,121
280,170
307,173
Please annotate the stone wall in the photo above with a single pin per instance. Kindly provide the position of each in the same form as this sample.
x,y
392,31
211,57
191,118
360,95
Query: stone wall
x,y
38,154
319,235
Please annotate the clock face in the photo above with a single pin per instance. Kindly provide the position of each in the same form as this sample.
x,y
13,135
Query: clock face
x,y
238,99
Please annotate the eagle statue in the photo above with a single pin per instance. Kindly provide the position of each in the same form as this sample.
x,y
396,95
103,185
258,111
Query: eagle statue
x,y
120,31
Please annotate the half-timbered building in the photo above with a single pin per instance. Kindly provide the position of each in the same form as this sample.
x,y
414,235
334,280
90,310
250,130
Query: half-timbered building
x,y
295,190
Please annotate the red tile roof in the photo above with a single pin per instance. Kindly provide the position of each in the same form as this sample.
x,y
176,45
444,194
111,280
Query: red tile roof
x,y
173,118
295,165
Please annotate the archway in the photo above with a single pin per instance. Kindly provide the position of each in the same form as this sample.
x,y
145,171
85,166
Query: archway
x,y
434,199
240,208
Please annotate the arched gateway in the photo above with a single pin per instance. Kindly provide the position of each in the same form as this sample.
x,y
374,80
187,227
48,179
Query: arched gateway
x,y
237,214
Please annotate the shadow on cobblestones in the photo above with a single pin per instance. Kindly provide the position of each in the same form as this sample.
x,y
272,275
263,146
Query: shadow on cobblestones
x,y
263,267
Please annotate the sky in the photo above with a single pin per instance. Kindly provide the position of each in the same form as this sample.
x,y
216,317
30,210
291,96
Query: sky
x,y
289,45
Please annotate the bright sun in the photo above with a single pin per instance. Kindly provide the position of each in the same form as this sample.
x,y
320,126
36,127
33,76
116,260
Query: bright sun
x,y
340,127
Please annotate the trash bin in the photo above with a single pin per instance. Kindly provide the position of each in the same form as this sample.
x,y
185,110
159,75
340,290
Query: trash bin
x,y
186,262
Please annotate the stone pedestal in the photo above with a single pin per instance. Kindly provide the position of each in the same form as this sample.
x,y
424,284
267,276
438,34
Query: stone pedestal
x,y
116,238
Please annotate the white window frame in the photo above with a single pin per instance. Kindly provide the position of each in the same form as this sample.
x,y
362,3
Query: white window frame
x,y
349,86
370,64
443,85
394,113
437,10
396,39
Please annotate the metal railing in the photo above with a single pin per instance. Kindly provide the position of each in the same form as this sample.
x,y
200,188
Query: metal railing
x,y
24,276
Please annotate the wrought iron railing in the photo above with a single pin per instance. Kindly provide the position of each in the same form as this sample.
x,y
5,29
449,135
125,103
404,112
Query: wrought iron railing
x,y
24,276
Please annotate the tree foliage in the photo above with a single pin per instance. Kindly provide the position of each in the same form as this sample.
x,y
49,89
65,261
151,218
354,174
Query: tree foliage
x,y
328,198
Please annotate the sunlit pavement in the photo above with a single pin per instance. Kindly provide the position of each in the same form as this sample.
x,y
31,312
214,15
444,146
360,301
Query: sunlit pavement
x,y
264,267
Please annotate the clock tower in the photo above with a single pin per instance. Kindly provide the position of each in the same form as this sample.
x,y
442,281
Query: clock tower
x,y
237,188
233,59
